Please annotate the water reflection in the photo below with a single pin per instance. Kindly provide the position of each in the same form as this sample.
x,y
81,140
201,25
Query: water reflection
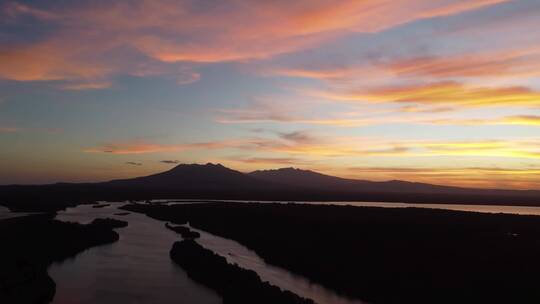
x,y
238,254
136,269
5,213
521,210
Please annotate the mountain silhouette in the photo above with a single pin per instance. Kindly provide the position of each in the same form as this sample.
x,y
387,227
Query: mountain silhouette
x,y
193,176
214,181
314,180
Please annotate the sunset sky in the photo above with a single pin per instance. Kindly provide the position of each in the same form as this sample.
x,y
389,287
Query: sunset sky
x,y
437,91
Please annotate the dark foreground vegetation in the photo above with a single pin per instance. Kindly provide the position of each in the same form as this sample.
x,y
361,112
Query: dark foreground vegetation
x,y
234,284
28,245
383,255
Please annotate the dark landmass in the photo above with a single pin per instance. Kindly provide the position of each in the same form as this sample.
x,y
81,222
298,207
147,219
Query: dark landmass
x,y
101,206
30,244
213,182
383,255
232,283
185,232
122,213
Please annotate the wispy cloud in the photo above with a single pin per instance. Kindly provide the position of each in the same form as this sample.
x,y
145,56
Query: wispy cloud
x,y
170,162
133,163
441,93
491,64
269,160
268,112
161,31
520,120
488,177
188,78
140,147
516,62
298,137
78,86
9,129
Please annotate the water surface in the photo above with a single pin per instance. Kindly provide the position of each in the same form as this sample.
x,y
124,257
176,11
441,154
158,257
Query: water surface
x,y
136,269
522,210
5,213
235,253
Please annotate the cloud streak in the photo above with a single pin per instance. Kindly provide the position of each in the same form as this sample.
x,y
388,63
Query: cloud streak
x,y
488,177
170,162
9,129
190,32
442,93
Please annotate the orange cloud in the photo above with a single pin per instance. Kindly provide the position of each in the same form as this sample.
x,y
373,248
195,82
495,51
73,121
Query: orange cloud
x,y
444,93
180,31
8,129
356,147
522,120
49,60
484,177
269,160
492,64
510,62
493,148
87,85
530,120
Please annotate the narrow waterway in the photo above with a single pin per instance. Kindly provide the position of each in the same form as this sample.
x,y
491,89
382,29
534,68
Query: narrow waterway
x,y
5,213
136,269
521,210
235,253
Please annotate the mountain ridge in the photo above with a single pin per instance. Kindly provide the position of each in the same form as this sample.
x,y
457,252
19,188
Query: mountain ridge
x,y
215,181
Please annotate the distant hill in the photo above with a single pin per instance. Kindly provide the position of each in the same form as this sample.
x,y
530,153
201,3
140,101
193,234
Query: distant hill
x,y
193,176
317,181
314,180
214,181
305,179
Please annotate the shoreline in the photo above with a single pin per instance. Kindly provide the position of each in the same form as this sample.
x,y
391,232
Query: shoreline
x,y
382,255
32,243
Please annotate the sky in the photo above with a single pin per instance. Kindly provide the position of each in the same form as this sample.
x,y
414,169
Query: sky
x,y
436,91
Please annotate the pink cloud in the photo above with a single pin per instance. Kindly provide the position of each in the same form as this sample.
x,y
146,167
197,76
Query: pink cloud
x,y
82,50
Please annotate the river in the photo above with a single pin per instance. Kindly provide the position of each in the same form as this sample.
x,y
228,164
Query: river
x,y
137,268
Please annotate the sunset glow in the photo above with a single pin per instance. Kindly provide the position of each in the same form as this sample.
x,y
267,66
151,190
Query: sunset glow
x,y
435,91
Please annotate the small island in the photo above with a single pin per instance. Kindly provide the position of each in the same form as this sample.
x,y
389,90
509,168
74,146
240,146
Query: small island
x,y
185,232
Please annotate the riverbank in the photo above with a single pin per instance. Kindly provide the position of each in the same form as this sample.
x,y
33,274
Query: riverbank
x,y
234,284
31,243
383,255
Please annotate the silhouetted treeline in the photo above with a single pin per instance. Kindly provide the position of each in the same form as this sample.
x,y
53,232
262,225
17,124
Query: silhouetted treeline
x,y
28,245
384,255
234,284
